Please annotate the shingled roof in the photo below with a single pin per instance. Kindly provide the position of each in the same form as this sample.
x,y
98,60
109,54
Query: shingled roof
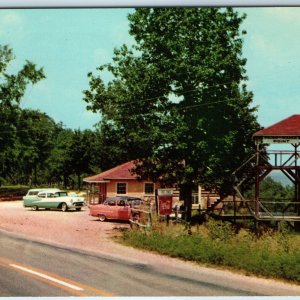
x,y
287,127
119,172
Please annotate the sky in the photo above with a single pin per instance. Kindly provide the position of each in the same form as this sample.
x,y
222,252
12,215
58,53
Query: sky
x,y
69,43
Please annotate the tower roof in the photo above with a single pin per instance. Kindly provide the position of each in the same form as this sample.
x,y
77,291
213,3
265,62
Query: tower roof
x,y
287,127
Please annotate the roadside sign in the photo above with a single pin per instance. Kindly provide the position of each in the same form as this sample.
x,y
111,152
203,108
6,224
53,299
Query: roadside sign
x,y
165,201
165,205
165,192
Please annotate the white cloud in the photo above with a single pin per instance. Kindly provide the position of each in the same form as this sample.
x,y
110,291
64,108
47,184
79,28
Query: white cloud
x,y
278,44
11,24
12,19
286,14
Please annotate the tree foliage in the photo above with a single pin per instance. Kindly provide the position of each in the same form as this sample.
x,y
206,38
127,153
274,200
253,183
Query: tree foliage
x,y
272,190
12,89
35,135
178,102
34,149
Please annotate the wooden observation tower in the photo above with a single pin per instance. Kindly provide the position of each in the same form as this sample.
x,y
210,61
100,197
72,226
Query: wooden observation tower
x,y
284,135
287,134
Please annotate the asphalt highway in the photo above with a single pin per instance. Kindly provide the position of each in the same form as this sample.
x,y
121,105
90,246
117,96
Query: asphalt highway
x,y
29,268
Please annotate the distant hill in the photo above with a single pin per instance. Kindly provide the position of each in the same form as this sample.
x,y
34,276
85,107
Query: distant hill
x,y
280,177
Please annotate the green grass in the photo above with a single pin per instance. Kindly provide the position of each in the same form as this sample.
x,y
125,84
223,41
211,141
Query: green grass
x,y
273,254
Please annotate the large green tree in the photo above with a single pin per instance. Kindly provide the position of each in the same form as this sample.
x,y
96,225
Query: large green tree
x,y
12,89
179,102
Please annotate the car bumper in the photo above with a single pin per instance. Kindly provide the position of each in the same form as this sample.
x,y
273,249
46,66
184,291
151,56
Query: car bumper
x,y
75,205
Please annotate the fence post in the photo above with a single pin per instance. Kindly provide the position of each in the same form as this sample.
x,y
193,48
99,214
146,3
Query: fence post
x,y
150,216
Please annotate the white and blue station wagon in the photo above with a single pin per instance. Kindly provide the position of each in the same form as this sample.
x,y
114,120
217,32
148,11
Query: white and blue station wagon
x,y
52,199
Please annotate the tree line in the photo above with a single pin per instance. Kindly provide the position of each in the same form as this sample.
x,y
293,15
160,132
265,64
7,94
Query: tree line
x,y
34,149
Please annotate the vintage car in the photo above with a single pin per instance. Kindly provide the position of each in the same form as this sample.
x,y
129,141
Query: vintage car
x,y
33,193
54,198
117,208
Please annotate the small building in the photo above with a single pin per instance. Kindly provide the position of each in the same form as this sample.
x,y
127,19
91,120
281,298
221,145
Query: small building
x,y
119,181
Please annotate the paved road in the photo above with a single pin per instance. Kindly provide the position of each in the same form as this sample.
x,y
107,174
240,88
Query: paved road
x,y
29,268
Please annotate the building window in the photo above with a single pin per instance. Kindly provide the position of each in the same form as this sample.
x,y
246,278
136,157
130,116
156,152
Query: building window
x,y
121,188
149,188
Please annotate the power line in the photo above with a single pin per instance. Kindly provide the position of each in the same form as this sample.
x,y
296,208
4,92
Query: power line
x,y
178,108
183,93
129,117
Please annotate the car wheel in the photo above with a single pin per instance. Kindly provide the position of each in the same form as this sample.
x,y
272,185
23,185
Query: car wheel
x,y
102,218
78,209
64,207
35,207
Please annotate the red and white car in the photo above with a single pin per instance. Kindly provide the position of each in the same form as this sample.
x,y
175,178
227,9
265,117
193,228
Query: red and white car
x,y
117,208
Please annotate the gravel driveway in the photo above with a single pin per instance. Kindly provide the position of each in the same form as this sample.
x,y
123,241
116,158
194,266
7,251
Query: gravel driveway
x,y
74,229
79,230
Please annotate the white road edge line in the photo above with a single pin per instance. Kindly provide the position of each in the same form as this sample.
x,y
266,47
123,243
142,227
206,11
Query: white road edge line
x,y
74,287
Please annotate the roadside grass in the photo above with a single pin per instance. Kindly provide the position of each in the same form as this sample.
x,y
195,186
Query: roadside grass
x,y
273,254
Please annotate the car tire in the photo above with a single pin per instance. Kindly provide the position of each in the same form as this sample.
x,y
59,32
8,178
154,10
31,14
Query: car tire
x,y
102,218
78,209
35,207
64,207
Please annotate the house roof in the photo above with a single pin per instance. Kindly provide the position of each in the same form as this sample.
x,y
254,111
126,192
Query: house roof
x,y
119,172
287,127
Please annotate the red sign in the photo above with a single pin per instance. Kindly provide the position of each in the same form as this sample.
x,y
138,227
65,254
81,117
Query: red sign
x,y
165,205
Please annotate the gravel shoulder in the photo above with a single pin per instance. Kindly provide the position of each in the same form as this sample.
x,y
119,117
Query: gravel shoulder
x,y
79,230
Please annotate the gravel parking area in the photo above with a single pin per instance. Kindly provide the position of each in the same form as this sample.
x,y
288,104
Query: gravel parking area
x,y
73,228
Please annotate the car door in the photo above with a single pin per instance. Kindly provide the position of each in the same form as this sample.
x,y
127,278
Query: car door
x,y
123,210
40,200
46,200
109,209
30,197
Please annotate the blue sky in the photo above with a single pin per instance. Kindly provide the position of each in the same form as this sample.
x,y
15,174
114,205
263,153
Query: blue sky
x,y
69,43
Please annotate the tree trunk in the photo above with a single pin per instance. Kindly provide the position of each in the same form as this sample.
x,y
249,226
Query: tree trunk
x,y
186,194
65,181
35,175
78,181
30,181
